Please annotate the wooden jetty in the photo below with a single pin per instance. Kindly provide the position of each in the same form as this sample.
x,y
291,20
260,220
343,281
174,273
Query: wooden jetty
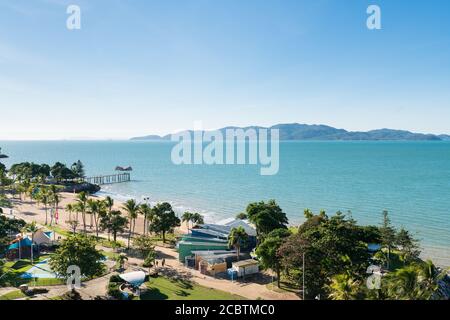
x,y
109,179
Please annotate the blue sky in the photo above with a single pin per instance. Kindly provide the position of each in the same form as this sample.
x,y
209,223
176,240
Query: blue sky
x,y
140,67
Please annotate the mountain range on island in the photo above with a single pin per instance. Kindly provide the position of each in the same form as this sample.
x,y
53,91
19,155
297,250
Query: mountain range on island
x,y
297,131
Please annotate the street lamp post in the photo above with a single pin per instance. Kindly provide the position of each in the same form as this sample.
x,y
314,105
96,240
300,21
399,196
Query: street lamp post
x,y
303,275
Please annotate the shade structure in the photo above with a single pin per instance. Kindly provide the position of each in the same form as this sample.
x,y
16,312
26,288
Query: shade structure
x,y
23,243
134,278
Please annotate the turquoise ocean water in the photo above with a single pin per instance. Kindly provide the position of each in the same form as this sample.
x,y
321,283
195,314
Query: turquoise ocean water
x,y
409,179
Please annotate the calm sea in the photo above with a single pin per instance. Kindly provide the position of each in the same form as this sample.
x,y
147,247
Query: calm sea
x,y
409,179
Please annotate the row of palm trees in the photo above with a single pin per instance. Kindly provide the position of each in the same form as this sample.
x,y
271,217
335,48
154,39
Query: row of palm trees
x,y
47,195
103,217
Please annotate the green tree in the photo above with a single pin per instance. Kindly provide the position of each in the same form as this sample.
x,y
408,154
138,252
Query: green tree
x,y
408,245
149,261
197,219
146,211
77,250
187,217
388,236
45,199
164,220
132,210
237,239
31,228
344,287
329,246
114,223
144,244
81,207
96,208
266,217
267,251
241,216
78,169
120,260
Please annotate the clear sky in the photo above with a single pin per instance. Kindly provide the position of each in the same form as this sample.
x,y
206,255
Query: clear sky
x,y
142,67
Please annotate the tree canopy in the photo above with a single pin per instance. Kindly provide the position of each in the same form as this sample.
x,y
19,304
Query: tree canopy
x,y
164,219
77,250
266,217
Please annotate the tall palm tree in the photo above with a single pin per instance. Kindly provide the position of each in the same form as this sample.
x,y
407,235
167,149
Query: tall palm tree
x,y
94,208
132,209
109,202
187,217
55,199
146,211
31,228
197,219
70,207
404,283
429,277
44,197
82,199
343,287
237,238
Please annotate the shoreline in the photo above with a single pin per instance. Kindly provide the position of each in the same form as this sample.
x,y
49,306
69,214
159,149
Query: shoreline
x,y
427,251
24,209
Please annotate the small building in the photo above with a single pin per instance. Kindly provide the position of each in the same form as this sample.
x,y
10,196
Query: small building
x,y
229,256
212,266
42,237
185,248
245,267
20,248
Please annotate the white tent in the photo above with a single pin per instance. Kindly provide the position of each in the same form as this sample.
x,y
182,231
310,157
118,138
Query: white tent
x,y
134,278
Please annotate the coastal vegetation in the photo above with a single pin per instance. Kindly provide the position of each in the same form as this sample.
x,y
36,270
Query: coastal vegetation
x,y
77,250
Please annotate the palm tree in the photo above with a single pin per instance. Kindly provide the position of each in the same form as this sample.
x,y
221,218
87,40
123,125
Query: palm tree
x,y
44,197
95,209
343,287
55,200
187,217
403,283
109,202
31,228
429,277
70,208
237,238
146,211
132,209
197,219
82,199
120,259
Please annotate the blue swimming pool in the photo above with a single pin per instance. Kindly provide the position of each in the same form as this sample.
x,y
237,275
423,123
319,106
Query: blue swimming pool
x,y
39,270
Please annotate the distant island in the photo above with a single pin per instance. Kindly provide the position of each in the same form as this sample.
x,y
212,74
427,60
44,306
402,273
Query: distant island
x,y
297,131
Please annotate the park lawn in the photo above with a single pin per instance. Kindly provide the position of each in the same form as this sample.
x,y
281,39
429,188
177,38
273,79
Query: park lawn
x,y
17,268
110,255
162,288
13,295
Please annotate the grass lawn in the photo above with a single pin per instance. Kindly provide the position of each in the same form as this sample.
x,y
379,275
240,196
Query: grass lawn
x,y
13,295
162,288
17,268
110,255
